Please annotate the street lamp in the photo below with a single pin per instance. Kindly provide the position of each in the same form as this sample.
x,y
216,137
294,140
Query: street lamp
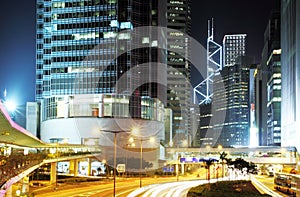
x,y
56,167
115,152
141,139
220,147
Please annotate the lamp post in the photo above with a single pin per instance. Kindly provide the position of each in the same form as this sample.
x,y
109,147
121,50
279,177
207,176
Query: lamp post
x,y
177,165
56,185
141,161
151,139
220,147
115,153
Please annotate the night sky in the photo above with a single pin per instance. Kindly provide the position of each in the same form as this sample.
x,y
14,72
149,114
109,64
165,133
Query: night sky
x,y
17,50
233,16
17,36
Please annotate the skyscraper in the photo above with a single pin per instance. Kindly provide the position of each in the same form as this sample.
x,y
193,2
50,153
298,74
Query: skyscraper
x,y
203,137
272,69
231,94
254,135
290,70
179,88
204,91
98,67
233,46
233,82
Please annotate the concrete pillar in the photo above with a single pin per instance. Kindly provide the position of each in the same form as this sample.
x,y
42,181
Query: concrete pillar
x,y
182,168
74,167
9,192
89,166
53,173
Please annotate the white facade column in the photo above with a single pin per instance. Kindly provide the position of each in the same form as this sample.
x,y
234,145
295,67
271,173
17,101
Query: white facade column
x,y
182,168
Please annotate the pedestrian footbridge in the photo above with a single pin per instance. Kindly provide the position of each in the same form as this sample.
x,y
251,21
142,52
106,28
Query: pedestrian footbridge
x,y
21,153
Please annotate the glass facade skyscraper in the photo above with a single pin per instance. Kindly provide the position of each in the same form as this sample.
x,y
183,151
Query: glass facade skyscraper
x,y
271,66
178,80
100,59
233,81
290,70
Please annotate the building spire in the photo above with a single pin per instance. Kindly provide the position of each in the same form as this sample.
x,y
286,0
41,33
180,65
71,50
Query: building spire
x,y
212,28
208,28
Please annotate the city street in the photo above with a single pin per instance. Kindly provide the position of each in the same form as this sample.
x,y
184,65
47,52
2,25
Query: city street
x,y
269,182
163,186
95,189
152,98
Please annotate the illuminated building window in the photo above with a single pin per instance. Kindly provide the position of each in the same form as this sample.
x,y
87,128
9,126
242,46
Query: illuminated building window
x,y
145,40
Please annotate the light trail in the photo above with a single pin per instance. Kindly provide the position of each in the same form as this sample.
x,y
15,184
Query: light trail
x,y
174,189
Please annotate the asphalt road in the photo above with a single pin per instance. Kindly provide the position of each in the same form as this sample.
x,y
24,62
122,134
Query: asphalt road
x,y
100,188
126,186
269,182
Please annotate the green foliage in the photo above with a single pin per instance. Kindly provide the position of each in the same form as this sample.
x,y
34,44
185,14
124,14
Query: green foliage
x,y
223,156
228,161
240,163
208,163
226,189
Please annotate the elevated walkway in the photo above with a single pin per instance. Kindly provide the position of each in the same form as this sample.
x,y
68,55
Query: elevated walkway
x,y
21,152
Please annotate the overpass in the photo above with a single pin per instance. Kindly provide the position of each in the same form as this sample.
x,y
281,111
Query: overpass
x,y
259,155
21,153
277,157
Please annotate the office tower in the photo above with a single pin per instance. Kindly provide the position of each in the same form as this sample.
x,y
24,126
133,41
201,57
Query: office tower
x,y
233,47
230,109
233,82
204,91
272,73
168,127
194,119
205,127
98,67
254,136
261,103
179,88
290,60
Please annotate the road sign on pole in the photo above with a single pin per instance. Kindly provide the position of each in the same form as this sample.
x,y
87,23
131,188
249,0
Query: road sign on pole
x,y
121,168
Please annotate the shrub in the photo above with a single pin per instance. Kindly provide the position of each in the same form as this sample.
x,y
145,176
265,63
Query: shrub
x,y
225,188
